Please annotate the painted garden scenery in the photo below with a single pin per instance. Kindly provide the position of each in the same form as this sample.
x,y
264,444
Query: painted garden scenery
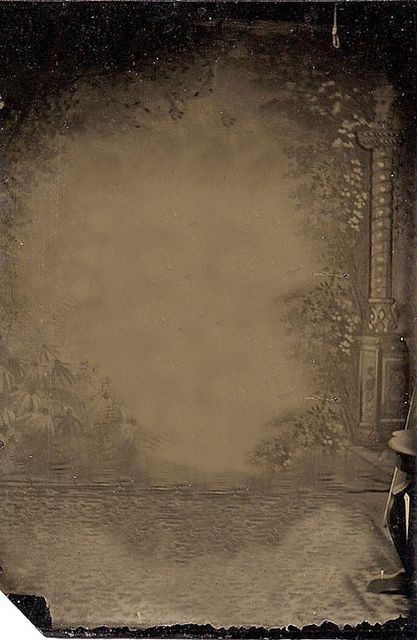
x,y
207,310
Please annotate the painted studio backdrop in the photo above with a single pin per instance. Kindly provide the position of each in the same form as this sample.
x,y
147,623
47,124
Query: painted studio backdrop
x,y
206,321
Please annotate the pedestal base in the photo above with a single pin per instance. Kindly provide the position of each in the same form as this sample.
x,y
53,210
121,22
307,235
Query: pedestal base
x,y
383,388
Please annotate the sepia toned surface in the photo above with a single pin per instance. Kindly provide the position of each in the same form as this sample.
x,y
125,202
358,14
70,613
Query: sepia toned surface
x,y
207,320
226,555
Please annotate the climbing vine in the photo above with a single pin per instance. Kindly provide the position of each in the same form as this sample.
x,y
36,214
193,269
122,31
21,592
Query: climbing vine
x,y
326,319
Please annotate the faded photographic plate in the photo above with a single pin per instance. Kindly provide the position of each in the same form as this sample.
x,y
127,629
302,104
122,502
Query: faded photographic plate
x,y
208,312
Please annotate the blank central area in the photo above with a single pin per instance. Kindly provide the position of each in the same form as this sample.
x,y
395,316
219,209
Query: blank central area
x,y
172,250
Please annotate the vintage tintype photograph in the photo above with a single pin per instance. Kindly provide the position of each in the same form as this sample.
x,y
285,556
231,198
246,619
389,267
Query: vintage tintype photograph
x,y
208,312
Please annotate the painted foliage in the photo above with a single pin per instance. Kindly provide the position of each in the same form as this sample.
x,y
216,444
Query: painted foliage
x,y
316,108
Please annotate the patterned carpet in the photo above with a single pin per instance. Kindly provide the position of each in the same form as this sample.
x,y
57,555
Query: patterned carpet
x,y
293,552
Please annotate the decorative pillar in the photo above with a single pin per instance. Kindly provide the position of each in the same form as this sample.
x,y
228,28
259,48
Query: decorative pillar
x,y
383,366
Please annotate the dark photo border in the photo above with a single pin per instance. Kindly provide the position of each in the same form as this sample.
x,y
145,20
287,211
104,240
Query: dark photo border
x,y
29,34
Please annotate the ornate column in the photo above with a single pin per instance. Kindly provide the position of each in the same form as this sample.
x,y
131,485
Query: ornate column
x,y
383,367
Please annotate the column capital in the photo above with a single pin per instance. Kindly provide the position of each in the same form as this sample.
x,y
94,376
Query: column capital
x,y
380,132
376,136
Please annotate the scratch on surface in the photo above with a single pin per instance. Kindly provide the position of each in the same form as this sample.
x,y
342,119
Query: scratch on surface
x,y
334,399
340,276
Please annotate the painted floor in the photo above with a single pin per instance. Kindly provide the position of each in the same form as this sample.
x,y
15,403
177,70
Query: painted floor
x,y
297,551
